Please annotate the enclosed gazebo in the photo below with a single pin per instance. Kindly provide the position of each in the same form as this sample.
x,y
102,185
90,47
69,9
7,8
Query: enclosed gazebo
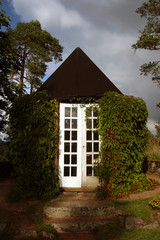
x,y
75,81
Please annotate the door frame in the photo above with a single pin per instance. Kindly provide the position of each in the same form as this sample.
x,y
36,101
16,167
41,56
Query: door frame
x,y
83,180
69,181
87,181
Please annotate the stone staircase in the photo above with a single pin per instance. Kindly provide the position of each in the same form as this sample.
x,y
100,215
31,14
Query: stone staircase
x,y
79,212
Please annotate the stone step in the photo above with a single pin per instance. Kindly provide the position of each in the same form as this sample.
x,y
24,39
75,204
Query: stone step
x,y
79,213
78,194
62,209
79,224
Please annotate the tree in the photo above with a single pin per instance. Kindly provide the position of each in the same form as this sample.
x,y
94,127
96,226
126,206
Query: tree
x,y
35,48
150,37
157,127
7,61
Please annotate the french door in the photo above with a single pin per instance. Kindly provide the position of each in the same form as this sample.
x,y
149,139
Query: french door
x,y
79,146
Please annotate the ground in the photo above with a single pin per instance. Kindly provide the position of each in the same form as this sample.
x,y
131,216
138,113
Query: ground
x,y
18,215
26,214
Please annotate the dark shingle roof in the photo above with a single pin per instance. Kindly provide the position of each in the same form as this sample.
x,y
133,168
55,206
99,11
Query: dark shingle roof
x,y
78,76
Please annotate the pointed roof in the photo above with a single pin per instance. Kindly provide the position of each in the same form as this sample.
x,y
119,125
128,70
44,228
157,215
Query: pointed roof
x,y
77,76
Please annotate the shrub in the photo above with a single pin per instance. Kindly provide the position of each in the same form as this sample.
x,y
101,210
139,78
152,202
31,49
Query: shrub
x,y
122,128
3,151
155,202
33,148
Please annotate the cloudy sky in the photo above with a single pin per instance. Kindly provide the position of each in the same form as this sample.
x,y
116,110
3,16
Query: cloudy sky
x,y
105,31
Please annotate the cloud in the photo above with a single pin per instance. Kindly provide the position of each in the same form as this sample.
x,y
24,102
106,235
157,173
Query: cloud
x,y
151,126
105,30
49,11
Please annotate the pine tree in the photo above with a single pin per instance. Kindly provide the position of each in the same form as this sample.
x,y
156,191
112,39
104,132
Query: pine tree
x,y
150,37
35,48
7,61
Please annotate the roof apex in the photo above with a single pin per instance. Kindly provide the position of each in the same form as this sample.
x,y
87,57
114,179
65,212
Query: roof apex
x,y
78,76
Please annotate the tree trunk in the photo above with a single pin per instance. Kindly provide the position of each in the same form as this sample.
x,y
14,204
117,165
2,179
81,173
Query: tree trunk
x,y
31,89
21,82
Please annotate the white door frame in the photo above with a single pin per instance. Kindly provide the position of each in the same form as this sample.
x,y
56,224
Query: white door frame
x,y
88,179
72,153
81,179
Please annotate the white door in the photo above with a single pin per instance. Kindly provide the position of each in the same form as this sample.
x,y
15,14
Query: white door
x,y
91,146
79,146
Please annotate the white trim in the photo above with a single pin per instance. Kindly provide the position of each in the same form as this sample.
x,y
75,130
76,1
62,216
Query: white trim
x,y
81,180
72,181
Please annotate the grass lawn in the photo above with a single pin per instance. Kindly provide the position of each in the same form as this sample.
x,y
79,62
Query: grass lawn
x,y
113,232
137,208
144,234
153,150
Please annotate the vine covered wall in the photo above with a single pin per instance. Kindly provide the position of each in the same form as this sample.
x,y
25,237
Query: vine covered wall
x,y
33,147
122,128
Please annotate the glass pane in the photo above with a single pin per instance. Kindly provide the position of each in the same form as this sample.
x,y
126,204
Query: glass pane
x,y
67,147
73,171
67,123
66,159
74,123
95,124
89,123
74,135
67,135
95,112
74,159
96,147
89,135
89,171
66,172
67,112
95,135
89,147
74,112
89,159
74,147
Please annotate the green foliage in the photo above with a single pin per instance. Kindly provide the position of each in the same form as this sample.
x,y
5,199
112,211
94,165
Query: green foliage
x,y
46,228
33,148
35,48
155,202
153,154
122,129
102,192
83,100
150,36
7,61
4,20
157,127
153,147
3,151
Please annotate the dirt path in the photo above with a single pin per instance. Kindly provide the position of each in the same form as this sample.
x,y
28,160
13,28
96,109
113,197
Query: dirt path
x,y
19,215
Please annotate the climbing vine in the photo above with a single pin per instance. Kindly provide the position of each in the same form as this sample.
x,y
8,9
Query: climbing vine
x,y
122,129
33,148
84,100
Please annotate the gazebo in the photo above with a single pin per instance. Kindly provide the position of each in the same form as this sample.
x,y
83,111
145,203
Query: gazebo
x,y
75,81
